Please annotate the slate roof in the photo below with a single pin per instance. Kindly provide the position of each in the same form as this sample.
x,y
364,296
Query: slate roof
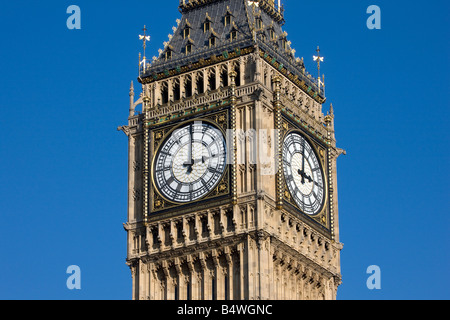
x,y
243,20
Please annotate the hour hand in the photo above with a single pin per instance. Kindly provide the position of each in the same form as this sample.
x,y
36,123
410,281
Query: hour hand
x,y
189,165
202,160
304,176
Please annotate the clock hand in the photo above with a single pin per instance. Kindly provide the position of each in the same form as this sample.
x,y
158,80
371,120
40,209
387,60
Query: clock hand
x,y
190,161
191,138
203,159
304,176
195,161
309,178
302,173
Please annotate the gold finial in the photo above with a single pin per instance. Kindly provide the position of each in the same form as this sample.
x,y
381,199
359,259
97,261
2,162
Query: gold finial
x,y
144,39
319,59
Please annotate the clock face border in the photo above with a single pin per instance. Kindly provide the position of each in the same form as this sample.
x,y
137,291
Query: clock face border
x,y
323,217
158,202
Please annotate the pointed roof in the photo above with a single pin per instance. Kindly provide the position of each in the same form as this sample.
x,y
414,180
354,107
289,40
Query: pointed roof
x,y
266,33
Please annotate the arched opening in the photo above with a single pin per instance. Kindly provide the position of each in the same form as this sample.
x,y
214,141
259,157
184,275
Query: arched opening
x,y
238,75
176,91
224,78
212,80
164,93
188,86
199,84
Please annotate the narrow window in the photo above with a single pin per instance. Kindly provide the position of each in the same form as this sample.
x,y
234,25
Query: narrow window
x,y
238,77
207,26
259,23
212,81
179,226
200,87
284,44
188,291
233,35
227,20
186,33
213,289
177,96
188,87
165,93
224,78
212,42
226,287
176,292
272,34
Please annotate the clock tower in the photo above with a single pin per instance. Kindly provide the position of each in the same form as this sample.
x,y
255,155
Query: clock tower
x,y
232,189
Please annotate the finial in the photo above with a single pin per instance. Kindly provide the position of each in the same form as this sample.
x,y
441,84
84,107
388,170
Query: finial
x,y
140,62
144,39
329,117
319,59
131,89
132,106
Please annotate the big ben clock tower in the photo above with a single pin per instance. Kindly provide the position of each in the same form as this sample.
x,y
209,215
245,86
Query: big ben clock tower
x,y
232,191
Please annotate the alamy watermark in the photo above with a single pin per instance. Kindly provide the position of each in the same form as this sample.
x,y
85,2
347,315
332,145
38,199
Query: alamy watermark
x,y
74,280
374,280
374,21
74,20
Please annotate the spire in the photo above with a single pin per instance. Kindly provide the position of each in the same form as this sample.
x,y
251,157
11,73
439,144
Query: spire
x,y
132,106
131,89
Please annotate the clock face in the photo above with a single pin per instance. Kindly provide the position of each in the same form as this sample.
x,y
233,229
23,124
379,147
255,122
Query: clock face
x,y
303,174
190,162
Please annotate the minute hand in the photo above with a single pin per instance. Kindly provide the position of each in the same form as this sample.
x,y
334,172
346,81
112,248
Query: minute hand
x,y
302,173
190,161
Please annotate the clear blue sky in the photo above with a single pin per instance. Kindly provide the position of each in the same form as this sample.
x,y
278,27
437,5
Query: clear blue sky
x,y
63,165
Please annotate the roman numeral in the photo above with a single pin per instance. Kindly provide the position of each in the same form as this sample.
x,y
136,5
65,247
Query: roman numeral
x,y
170,180
213,170
166,153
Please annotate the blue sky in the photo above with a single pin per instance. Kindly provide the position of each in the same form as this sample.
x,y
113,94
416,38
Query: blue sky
x,y
63,165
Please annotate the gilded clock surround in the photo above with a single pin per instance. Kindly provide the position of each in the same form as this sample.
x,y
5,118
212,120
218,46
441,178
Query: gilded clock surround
x,y
323,217
221,121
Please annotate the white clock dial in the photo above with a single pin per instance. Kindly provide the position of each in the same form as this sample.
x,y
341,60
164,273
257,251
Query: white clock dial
x,y
303,174
190,163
